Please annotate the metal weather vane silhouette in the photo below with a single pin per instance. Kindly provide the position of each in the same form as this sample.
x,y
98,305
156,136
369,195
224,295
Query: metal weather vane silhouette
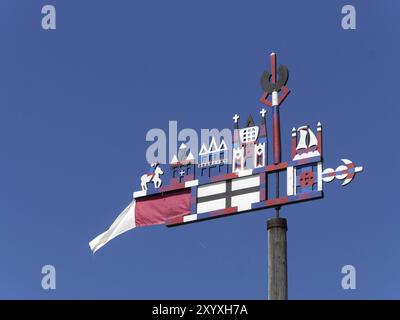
x,y
222,180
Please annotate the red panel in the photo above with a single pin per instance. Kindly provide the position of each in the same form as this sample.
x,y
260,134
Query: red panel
x,y
227,176
276,136
278,201
230,210
273,67
306,179
160,208
276,167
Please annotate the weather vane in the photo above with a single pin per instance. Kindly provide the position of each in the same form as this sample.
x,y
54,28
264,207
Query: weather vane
x,y
225,179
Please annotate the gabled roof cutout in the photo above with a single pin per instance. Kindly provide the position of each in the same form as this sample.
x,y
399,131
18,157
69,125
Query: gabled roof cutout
x,y
222,146
250,122
213,145
203,150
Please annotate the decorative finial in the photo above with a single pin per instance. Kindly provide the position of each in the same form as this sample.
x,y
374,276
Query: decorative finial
x,y
274,83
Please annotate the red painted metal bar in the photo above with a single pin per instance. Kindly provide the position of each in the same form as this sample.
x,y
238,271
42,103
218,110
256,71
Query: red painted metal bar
x,y
276,136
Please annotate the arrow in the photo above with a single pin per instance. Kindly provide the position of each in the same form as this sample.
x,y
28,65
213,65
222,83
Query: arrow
x,y
346,172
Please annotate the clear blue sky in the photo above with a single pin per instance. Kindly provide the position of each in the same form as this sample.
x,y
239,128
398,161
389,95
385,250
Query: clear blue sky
x,y
77,102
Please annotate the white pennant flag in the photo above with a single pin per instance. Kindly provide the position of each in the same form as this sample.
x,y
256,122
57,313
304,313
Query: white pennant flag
x,y
124,222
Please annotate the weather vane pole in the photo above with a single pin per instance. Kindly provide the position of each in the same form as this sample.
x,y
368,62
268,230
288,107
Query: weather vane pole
x,y
277,227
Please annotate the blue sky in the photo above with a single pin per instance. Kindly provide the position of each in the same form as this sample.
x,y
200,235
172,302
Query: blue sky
x,y
77,102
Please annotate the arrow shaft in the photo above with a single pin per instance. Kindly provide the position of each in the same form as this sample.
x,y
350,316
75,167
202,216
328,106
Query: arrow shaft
x,y
336,173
